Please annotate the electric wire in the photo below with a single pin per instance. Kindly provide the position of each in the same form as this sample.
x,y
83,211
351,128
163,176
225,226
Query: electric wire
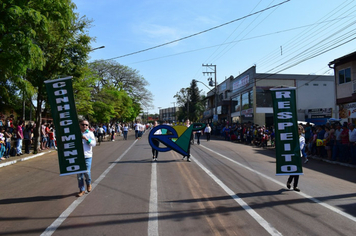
x,y
201,32
241,22
231,46
305,37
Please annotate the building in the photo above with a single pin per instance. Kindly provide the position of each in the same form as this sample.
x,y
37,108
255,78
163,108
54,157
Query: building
x,y
168,114
345,86
247,97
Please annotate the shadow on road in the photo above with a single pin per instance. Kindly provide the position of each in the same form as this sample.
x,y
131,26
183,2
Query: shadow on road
x,y
34,199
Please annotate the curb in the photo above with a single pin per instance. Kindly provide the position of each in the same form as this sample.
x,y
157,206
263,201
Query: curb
x,y
7,163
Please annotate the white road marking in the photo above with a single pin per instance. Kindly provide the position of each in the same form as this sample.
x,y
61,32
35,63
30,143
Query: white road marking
x,y
22,159
334,209
52,228
267,226
153,207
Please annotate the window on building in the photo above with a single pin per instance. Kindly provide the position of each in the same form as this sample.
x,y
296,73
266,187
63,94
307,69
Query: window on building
x,y
345,76
236,104
251,99
245,101
263,97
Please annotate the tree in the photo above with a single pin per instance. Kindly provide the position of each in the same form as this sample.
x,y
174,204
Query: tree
x,y
65,46
123,78
191,102
20,22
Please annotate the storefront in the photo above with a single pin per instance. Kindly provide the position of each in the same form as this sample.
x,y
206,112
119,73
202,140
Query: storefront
x,y
347,112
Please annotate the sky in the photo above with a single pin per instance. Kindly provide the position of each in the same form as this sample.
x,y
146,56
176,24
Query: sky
x,y
286,37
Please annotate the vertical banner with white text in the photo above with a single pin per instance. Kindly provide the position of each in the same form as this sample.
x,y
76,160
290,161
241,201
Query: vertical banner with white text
x,y
288,157
68,134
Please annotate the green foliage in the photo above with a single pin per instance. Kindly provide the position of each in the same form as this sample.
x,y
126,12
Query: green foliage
x,y
123,78
82,88
191,103
20,23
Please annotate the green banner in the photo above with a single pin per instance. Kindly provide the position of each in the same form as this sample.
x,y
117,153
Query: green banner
x,y
288,157
68,134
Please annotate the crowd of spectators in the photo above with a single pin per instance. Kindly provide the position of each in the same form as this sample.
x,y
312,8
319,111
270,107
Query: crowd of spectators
x,y
335,142
247,133
16,137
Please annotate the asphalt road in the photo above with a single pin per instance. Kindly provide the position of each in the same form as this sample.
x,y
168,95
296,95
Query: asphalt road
x,y
227,189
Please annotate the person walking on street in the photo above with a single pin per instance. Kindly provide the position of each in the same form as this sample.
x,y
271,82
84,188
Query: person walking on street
x,y
137,129
155,142
113,132
125,130
100,132
89,142
296,177
207,132
187,123
198,133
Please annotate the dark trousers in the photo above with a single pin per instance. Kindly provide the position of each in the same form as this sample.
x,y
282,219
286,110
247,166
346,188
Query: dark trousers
x,y
154,151
198,137
27,146
296,179
7,149
336,150
207,136
344,153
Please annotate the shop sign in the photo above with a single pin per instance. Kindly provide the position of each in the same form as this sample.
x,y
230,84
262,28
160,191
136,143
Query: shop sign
x,y
241,83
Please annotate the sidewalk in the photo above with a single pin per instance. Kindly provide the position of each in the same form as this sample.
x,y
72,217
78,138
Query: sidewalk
x,y
269,147
25,157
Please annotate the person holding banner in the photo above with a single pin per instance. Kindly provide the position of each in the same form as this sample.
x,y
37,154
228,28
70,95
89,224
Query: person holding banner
x,y
187,124
89,142
296,177
156,143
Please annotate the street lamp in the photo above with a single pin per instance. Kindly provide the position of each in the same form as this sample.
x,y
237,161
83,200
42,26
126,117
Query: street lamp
x,y
97,48
202,83
213,68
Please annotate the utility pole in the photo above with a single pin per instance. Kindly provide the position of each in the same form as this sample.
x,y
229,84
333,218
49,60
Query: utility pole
x,y
175,117
159,113
213,71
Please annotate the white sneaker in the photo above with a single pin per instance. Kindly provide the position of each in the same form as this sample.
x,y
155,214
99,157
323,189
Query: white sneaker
x,y
306,161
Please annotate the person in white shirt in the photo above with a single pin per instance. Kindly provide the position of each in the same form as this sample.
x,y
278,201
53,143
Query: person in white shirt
x,y
141,130
125,130
113,132
207,132
137,129
89,142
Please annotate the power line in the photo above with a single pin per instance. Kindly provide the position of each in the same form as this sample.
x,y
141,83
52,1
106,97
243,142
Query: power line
x,y
201,32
